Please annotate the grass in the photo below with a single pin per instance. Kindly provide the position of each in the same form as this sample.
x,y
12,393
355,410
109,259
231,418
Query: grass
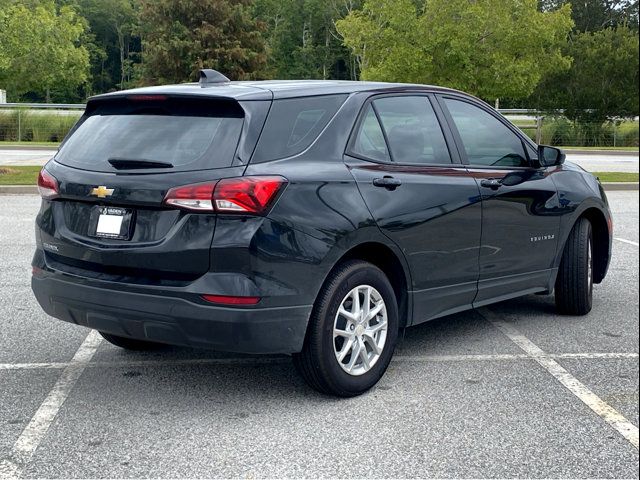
x,y
29,144
616,176
22,175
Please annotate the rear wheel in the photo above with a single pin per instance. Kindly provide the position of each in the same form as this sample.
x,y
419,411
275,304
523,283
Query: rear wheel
x,y
352,331
574,285
130,343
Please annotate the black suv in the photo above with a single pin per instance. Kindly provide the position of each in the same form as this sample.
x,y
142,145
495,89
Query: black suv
x,y
312,218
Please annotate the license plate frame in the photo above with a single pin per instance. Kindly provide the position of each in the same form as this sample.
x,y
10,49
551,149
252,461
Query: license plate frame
x,y
115,223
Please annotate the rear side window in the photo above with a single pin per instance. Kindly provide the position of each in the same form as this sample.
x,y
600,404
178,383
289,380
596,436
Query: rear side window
x,y
188,134
487,141
369,141
293,124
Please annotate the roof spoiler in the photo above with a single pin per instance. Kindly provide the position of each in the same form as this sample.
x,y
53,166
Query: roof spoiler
x,y
209,77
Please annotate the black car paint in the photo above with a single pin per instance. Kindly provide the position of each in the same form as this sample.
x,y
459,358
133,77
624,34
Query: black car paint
x,y
458,244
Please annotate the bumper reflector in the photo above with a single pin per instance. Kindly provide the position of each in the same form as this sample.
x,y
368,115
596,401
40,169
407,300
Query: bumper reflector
x,y
229,300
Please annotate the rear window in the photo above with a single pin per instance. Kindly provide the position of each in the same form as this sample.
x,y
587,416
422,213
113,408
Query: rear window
x,y
188,134
293,124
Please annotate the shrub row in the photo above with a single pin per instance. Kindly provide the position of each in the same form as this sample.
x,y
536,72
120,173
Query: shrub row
x,y
562,132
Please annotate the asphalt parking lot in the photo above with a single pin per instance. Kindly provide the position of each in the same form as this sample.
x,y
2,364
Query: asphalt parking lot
x,y
495,393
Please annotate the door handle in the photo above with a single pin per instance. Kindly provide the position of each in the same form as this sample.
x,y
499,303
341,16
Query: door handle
x,y
492,183
387,182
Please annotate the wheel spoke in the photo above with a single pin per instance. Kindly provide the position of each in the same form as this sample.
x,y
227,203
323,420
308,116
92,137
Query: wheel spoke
x,y
375,311
364,355
373,329
355,308
355,354
367,337
367,302
346,347
345,313
337,332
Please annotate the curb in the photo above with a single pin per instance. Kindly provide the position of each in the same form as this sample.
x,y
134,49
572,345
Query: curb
x,y
18,190
27,147
613,153
620,186
33,190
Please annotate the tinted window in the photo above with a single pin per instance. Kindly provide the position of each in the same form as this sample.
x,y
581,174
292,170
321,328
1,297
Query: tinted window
x,y
369,141
486,139
187,135
412,129
293,124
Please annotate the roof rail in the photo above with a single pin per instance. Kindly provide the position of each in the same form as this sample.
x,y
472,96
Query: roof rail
x,y
210,77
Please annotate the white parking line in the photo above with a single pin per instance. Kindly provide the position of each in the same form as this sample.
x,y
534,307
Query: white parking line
x,y
270,361
590,399
624,240
34,432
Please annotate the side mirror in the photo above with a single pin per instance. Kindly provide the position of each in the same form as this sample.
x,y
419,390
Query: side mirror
x,y
550,156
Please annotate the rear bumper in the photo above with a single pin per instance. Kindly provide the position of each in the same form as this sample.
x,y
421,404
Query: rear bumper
x,y
171,319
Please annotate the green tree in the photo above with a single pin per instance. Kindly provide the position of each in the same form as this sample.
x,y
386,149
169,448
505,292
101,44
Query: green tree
x,y
594,15
40,49
302,40
602,83
181,36
112,41
491,48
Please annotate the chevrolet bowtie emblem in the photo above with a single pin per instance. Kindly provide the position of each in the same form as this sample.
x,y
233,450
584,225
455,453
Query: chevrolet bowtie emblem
x,y
102,191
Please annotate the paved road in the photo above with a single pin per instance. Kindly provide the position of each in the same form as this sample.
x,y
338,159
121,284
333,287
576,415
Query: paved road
x,y
592,163
461,398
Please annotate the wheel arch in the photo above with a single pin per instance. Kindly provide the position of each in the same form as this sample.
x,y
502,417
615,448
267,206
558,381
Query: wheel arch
x,y
601,240
384,257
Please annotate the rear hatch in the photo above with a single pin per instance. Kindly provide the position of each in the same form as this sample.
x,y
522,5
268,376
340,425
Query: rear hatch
x,y
108,219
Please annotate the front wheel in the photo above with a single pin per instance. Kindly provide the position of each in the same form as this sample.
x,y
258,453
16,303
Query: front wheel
x,y
574,285
352,331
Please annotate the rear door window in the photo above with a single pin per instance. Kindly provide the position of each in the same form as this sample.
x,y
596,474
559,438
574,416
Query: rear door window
x,y
293,124
413,131
187,134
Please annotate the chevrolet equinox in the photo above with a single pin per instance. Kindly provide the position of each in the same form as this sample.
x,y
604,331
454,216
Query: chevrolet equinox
x,y
310,218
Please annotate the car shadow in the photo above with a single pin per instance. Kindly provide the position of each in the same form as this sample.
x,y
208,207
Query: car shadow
x,y
271,375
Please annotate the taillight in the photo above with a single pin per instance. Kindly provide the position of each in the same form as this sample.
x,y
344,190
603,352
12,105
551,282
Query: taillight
x,y
246,194
47,185
198,197
253,195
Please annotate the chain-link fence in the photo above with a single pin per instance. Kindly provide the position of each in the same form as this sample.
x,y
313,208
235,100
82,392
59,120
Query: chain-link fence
x,y
37,123
50,123
560,131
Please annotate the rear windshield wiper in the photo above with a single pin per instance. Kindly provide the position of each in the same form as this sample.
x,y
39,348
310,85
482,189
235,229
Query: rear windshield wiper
x,y
132,164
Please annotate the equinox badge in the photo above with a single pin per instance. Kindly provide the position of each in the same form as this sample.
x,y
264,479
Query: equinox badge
x,y
102,191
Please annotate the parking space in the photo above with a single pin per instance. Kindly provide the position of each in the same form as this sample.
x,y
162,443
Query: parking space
x,y
460,399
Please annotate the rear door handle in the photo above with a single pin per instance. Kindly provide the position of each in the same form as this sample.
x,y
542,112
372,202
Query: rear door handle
x,y
387,182
492,183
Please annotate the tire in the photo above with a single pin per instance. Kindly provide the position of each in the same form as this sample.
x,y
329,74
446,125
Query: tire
x,y
358,371
130,343
574,284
